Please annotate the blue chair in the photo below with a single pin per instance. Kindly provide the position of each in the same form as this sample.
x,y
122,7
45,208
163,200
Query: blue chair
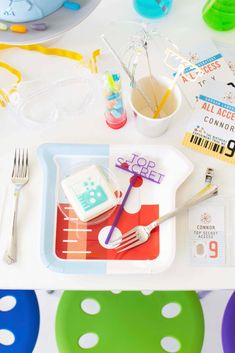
x,y
22,321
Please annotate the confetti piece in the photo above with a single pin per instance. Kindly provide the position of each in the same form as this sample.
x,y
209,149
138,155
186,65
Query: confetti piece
x,y
39,26
19,28
3,27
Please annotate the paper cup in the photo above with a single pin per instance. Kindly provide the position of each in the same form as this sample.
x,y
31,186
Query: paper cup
x,y
143,114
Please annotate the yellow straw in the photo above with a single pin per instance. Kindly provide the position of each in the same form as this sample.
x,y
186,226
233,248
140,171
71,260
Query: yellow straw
x,y
168,92
162,103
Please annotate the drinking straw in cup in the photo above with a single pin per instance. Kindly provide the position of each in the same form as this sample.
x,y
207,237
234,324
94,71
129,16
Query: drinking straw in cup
x,y
168,92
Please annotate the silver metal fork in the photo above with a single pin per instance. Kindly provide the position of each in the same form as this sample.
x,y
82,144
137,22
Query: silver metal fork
x,y
20,177
140,234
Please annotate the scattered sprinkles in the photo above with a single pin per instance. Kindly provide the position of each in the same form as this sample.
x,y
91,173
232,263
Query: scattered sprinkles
x,y
36,26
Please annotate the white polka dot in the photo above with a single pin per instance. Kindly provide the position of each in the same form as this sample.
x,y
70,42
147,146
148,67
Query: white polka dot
x,y
7,338
171,310
147,292
117,235
88,340
7,303
92,200
170,344
90,306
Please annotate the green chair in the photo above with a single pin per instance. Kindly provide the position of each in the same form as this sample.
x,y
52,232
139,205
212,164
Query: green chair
x,y
129,322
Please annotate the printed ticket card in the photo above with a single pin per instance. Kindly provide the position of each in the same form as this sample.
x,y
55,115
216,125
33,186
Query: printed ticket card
x,y
207,234
211,129
208,58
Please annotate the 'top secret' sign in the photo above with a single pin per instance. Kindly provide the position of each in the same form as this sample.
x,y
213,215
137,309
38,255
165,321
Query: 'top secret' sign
x,y
139,165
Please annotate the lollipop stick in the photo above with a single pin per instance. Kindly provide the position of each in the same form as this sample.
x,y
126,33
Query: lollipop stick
x,y
118,216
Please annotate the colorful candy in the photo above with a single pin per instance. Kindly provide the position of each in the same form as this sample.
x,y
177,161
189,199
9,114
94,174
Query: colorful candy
x,y
39,26
115,113
3,27
18,28
71,5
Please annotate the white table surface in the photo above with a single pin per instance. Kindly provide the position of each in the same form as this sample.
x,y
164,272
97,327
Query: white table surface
x,y
29,272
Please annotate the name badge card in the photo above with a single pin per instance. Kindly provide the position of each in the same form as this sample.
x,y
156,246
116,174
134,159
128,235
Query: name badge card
x,y
207,234
211,129
206,56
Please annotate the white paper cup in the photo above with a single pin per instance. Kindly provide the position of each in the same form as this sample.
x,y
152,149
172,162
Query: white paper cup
x,y
143,114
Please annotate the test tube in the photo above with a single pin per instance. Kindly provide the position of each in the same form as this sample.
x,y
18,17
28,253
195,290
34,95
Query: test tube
x,y
115,113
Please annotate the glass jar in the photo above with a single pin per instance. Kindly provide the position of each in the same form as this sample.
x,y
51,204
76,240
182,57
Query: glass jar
x,y
152,8
219,14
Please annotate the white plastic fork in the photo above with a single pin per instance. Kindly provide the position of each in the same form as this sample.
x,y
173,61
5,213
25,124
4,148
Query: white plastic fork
x,y
140,234
20,177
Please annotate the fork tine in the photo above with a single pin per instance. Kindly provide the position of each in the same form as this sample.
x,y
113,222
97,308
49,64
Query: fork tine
x,y
129,232
14,164
133,245
27,162
125,237
22,163
18,164
127,242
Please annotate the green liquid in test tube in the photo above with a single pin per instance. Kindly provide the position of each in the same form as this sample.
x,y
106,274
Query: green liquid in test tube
x,y
219,14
